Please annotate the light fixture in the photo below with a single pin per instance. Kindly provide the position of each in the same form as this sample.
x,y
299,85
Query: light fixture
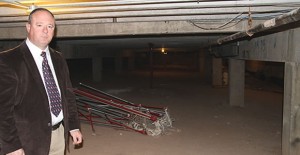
x,y
163,50
31,7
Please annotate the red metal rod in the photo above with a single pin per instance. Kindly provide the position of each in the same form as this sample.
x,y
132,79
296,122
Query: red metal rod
x,y
151,117
115,99
89,119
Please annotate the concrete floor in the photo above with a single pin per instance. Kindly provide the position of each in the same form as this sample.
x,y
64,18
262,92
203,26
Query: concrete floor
x,y
204,122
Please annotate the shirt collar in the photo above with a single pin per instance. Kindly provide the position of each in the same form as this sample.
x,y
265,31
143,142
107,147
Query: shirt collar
x,y
34,49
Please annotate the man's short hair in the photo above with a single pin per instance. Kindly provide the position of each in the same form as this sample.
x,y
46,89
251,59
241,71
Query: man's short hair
x,y
36,10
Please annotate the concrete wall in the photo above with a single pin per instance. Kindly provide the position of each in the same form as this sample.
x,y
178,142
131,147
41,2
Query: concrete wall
x,y
279,47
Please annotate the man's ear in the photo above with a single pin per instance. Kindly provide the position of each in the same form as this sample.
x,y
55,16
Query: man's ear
x,y
28,27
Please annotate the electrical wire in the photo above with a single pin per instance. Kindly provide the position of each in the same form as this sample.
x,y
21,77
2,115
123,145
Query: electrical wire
x,y
219,27
234,21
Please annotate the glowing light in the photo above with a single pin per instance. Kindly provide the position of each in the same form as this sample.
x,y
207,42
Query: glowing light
x,y
163,50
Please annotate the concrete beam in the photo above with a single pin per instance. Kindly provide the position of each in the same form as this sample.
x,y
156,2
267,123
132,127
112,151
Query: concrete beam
x,y
201,63
278,47
120,29
134,28
217,66
97,69
291,110
236,82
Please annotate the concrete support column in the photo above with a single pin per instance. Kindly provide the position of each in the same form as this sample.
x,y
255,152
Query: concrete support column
x,y
131,65
291,112
201,63
208,67
97,69
118,63
217,65
236,82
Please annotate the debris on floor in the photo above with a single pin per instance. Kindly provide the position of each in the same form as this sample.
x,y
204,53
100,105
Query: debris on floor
x,y
100,108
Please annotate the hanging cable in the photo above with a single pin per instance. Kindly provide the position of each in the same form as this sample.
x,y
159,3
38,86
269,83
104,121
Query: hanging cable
x,y
219,27
288,18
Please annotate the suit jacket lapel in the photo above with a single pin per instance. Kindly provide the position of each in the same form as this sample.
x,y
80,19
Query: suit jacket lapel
x,y
28,58
57,67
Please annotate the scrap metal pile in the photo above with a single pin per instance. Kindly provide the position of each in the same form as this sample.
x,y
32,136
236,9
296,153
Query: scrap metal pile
x,y
99,108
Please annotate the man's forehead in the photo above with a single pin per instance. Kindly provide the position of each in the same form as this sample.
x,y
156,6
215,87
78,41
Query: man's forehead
x,y
42,18
42,13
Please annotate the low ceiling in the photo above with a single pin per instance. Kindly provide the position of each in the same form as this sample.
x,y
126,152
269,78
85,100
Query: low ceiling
x,y
213,19
170,43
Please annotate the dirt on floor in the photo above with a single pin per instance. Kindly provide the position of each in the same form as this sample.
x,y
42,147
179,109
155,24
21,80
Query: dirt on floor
x,y
204,123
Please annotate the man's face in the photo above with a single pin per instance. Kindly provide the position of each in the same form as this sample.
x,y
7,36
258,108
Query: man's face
x,y
41,29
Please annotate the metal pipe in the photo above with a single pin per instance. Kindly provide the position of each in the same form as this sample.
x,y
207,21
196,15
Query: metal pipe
x,y
172,3
148,8
151,63
153,5
104,93
110,112
290,17
157,111
153,118
122,8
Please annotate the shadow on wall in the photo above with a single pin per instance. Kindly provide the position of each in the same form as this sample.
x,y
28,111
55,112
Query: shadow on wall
x,y
267,71
265,75
80,70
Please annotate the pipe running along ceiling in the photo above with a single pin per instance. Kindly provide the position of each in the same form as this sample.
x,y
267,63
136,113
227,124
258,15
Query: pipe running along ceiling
x,y
195,11
209,16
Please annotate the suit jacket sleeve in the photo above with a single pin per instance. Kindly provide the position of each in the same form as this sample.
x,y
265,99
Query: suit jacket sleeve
x,y
72,114
9,140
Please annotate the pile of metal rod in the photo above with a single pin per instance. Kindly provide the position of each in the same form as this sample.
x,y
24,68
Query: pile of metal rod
x,y
99,108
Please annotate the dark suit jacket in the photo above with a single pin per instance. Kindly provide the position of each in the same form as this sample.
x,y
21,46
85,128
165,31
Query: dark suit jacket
x,y
25,119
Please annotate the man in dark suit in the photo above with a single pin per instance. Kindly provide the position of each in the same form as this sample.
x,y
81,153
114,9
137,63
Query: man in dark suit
x,y
27,123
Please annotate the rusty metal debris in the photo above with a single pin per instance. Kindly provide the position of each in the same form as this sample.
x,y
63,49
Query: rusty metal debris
x,y
99,108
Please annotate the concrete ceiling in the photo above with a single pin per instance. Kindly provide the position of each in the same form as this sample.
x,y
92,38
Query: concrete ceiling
x,y
195,23
143,43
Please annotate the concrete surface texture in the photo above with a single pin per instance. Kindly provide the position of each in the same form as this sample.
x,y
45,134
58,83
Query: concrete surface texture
x,y
204,122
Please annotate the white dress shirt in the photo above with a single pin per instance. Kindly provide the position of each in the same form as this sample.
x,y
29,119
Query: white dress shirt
x,y
36,53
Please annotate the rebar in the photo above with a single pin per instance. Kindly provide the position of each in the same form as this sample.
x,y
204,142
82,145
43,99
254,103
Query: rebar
x,y
100,108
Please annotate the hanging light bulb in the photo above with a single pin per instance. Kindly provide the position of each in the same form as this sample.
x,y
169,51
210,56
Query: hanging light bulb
x,y
163,51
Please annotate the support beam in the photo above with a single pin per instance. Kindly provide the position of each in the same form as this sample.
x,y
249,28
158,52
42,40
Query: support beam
x,y
131,65
217,72
236,82
118,64
100,29
291,110
285,19
201,63
97,69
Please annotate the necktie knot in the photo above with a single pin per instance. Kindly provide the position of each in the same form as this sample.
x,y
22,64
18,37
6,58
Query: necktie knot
x,y
43,54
